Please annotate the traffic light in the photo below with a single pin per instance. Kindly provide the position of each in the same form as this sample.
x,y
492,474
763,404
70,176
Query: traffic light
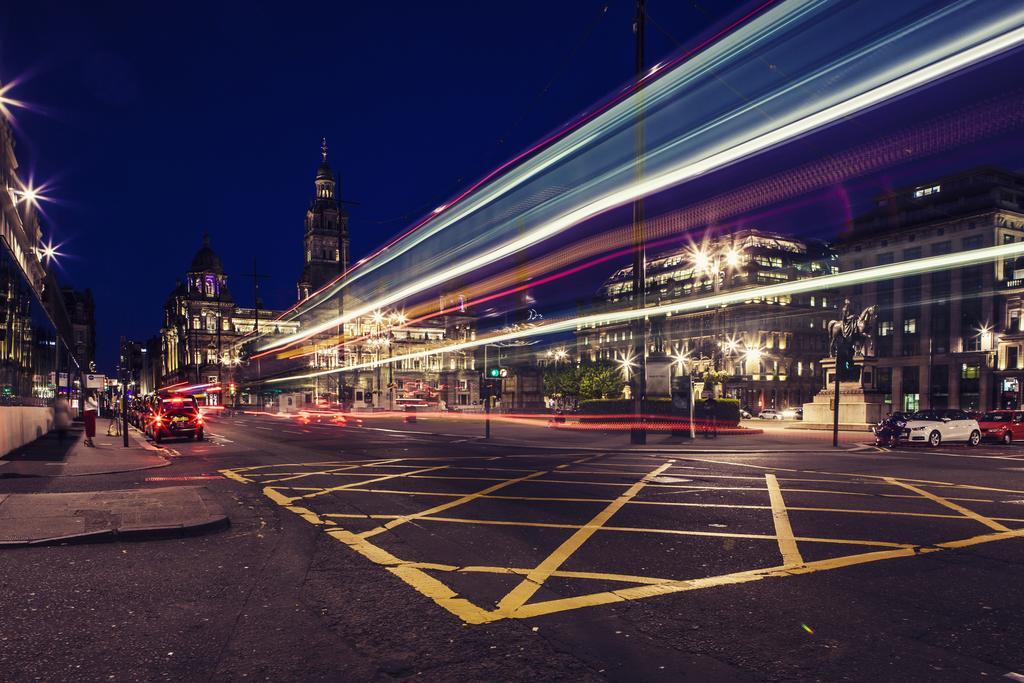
x,y
497,372
845,368
490,388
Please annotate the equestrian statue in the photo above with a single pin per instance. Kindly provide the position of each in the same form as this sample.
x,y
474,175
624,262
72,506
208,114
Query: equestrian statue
x,y
855,331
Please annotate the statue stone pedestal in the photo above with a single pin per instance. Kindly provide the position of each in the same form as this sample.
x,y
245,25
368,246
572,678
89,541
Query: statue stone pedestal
x,y
860,405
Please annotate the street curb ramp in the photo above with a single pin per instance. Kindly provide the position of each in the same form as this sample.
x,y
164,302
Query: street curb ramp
x,y
100,516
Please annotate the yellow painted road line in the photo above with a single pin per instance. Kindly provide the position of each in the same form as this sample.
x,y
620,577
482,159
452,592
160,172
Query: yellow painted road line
x,y
893,513
926,482
331,471
951,505
560,573
533,581
233,474
783,530
639,592
643,530
384,477
447,506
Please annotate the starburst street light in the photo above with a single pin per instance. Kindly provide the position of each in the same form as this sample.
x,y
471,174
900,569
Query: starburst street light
x,y
753,354
985,337
681,358
626,363
30,195
48,252
6,102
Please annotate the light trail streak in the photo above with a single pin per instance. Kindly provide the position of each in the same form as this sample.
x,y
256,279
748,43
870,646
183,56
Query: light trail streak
x,y
814,284
941,133
558,135
687,171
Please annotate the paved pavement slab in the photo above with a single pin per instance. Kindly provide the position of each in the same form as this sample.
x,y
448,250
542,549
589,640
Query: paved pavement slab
x,y
44,457
33,518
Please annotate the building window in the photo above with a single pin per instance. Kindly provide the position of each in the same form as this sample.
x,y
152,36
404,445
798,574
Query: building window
x,y
912,254
973,242
942,247
1012,357
911,402
910,325
925,191
970,371
884,328
885,259
1007,239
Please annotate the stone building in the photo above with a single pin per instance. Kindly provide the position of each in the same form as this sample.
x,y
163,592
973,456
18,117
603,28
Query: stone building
x,y
946,338
82,310
771,349
326,234
203,327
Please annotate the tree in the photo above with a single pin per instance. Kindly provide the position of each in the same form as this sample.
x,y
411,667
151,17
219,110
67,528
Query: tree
x,y
568,383
601,380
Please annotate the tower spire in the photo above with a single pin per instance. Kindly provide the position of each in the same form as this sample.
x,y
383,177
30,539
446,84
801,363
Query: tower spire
x,y
323,149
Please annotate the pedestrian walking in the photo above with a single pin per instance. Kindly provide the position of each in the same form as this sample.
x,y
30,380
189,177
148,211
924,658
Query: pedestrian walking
x,y
89,415
61,418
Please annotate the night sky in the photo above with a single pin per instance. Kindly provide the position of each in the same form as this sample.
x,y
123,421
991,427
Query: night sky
x,y
154,124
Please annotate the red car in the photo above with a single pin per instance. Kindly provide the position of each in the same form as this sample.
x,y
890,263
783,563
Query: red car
x,y
175,416
1002,425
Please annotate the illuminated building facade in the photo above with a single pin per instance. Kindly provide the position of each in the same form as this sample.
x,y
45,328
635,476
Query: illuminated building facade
x,y
949,338
770,349
449,377
326,236
202,326
37,360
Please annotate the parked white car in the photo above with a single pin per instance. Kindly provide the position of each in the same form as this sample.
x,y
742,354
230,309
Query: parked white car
x,y
935,426
769,414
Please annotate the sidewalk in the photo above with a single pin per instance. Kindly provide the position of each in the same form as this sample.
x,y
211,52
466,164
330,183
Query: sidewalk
x,y
36,518
47,457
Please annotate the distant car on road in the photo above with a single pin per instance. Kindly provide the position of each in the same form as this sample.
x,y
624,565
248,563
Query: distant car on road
x,y
745,414
769,414
1002,425
935,426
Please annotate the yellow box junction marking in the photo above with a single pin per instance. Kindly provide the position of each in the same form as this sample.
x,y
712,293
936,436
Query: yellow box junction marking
x,y
787,544
951,505
516,604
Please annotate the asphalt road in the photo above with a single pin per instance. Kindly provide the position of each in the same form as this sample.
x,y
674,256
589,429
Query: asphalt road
x,y
376,553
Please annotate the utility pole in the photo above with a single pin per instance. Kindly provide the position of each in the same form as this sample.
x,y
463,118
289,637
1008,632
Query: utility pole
x,y
638,433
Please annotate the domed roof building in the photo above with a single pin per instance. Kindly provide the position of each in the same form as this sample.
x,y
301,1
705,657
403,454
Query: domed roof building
x,y
206,259
203,329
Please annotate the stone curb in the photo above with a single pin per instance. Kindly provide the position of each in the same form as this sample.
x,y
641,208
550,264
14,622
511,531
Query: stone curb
x,y
127,534
212,519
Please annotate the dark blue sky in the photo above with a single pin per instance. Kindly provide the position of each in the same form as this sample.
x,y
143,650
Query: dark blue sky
x,y
157,123
162,121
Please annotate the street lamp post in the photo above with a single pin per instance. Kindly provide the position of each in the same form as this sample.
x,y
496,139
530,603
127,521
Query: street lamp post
x,y
638,434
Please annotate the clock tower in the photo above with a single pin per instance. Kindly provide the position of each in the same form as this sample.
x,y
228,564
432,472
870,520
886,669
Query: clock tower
x,y
326,234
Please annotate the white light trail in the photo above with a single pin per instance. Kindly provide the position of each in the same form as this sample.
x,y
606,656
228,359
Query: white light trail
x,y
899,86
814,284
